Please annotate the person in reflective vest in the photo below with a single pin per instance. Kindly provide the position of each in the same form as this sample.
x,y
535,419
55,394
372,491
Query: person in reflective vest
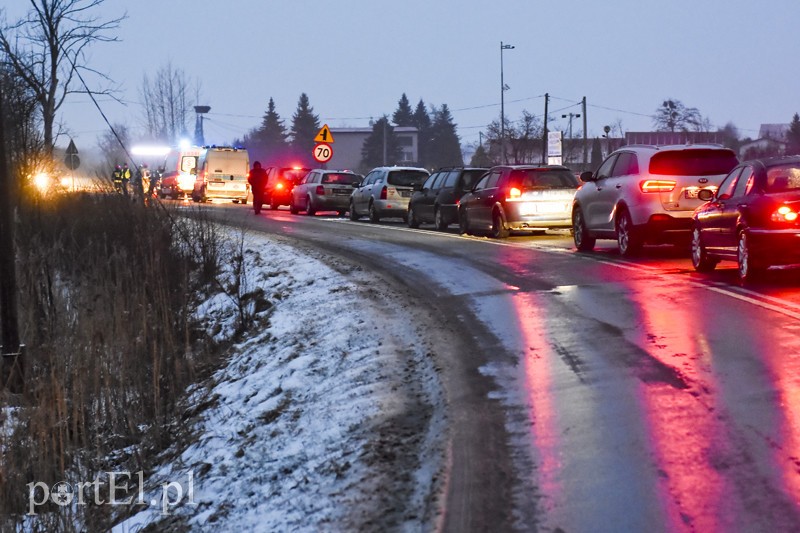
x,y
126,177
116,177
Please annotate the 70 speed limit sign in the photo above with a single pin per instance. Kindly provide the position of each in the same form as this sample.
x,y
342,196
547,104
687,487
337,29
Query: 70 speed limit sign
x,y
323,153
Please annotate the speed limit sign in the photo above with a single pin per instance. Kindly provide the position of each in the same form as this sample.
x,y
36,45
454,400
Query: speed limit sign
x,y
323,153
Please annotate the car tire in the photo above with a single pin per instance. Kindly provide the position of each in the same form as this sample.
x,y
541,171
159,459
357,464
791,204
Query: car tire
x,y
438,219
293,208
748,271
353,215
374,217
700,260
463,222
311,209
628,241
411,218
499,229
580,233
273,204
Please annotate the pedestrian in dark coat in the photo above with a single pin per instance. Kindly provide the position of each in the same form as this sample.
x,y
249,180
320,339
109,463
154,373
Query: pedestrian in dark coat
x,y
258,180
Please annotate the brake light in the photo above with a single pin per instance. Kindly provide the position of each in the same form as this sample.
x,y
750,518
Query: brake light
x,y
383,193
279,185
514,193
657,185
320,190
784,214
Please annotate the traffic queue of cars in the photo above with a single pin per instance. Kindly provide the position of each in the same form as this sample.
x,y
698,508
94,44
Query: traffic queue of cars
x,y
693,196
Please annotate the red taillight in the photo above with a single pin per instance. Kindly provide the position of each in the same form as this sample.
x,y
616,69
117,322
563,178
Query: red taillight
x,y
279,185
320,190
383,193
784,214
657,185
513,192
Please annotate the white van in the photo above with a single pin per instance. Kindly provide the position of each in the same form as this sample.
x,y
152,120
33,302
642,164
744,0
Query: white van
x,y
177,176
222,174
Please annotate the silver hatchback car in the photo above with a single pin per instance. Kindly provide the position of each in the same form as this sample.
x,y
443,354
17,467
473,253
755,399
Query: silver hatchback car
x,y
385,192
646,194
324,190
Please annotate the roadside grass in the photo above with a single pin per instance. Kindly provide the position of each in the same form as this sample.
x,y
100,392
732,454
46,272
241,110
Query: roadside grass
x,y
108,294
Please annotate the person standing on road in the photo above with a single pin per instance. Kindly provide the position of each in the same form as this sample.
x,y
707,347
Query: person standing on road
x,y
257,179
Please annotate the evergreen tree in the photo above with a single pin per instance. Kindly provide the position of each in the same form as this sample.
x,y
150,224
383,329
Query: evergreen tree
x,y
480,158
445,147
403,115
422,121
372,152
793,136
268,143
305,126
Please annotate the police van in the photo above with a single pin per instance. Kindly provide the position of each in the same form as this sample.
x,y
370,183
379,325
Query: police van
x,y
222,174
178,174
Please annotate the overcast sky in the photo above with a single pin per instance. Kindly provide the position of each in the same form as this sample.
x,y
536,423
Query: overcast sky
x,y
734,60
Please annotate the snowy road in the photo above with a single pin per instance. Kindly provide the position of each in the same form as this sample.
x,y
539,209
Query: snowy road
x,y
592,393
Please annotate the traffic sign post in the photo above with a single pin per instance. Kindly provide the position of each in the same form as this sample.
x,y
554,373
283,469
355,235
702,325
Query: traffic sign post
x,y
324,136
322,153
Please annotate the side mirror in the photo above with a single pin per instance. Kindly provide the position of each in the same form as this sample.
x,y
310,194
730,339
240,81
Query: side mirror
x,y
356,185
705,195
587,176
418,187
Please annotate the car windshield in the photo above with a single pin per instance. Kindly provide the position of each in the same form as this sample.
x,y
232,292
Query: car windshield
x,y
407,178
544,179
696,162
341,179
783,178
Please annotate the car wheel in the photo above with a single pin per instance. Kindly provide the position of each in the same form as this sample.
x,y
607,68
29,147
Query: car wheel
x,y
373,214
293,208
748,271
499,230
463,222
700,259
580,233
411,218
353,215
311,209
273,204
438,219
627,240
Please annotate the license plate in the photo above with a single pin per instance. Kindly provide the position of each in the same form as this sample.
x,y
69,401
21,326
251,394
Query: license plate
x,y
406,194
341,192
691,194
549,207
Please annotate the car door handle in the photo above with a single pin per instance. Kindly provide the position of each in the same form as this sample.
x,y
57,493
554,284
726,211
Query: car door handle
x,y
618,185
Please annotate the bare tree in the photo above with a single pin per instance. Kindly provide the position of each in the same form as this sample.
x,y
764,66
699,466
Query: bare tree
x,y
112,150
23,136
672,115
46,50
168,103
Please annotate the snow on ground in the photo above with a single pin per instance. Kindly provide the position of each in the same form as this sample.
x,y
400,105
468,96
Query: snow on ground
x,y
328,417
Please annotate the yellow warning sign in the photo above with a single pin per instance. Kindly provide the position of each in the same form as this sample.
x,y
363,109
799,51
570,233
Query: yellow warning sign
x,y
324,135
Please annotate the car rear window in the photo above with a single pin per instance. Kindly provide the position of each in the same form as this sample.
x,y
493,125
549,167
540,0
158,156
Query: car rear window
x,y
471,177
294,174
544,179
696,162
341,179
783,178
407,178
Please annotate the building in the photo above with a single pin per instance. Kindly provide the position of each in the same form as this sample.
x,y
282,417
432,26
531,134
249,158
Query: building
x,y
663,138
348,144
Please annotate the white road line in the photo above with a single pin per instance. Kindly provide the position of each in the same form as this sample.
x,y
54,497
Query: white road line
x,y
784,307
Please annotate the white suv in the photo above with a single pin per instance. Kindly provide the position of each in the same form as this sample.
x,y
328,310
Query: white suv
x,y
646,194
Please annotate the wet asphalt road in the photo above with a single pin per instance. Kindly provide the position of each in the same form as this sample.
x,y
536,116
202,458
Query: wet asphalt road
x,y
635,394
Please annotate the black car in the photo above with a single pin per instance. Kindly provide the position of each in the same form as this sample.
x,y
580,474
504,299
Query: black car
x,y
519,197
280,182
751,219
436,201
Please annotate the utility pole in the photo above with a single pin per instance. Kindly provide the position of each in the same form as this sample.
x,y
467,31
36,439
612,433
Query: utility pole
x,y
10,347
544,138
585,139
569,139
503,90
385,123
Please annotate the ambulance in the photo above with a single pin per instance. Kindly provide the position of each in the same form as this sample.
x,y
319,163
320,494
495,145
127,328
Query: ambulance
x,y
178,174
222,175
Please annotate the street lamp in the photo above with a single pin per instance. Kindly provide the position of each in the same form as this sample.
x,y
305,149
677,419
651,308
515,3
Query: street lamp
x,y
503,89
